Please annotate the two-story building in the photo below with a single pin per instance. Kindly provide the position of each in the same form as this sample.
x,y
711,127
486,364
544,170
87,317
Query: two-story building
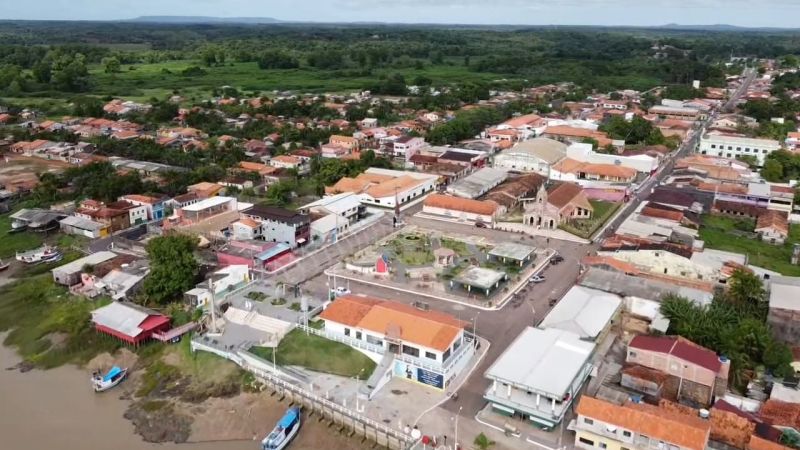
x,y
735,146
539,375
636,426
407,146
154,207
280,225
426,347
696,373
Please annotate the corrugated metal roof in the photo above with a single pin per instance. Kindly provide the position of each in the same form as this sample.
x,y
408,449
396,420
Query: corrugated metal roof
x,y
544,361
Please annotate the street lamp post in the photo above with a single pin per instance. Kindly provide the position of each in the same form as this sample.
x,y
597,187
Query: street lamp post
x,y
455,442
475,328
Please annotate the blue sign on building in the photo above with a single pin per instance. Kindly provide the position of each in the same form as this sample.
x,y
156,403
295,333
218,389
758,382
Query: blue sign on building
x,y
430,378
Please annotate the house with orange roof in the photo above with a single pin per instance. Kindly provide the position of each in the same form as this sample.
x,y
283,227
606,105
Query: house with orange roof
x,y
259,168
569,169
461,209
426,347
205,189
773,227
288,162
613,426
386,188
348,142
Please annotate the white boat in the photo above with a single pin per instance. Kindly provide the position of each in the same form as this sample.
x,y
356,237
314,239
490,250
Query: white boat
x,y
112,378
41,254
284,431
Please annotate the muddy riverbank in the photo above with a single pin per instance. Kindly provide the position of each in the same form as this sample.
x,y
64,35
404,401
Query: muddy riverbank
x,y
57,409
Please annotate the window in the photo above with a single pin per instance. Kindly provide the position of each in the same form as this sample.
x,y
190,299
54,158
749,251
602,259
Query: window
x,y
412,351
583,440
430,355
358,335
713,145
446,355
588,421
632,354
601,444
347,331
626,433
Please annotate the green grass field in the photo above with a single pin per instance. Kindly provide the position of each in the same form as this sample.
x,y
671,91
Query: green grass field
x,y
34,309
10,244
319,354
141,82
719,232
586,227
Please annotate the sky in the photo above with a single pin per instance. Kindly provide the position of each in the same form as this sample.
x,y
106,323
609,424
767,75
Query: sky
x,y
752,13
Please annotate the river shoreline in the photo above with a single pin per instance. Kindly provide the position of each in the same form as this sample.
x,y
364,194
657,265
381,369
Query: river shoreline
x,y
57,409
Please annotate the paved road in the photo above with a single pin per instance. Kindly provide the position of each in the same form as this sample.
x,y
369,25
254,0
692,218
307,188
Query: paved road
x,y
499,327
750,75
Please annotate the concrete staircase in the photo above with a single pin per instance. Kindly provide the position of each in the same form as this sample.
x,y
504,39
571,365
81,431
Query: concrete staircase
x,y
275,328
378,378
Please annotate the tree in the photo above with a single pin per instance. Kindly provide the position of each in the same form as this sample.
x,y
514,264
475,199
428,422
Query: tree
x,y
772,170
111,65
273,59
173,267
483,442
746,290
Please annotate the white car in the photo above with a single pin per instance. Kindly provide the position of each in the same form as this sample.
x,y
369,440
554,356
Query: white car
x,y
339,291
537,279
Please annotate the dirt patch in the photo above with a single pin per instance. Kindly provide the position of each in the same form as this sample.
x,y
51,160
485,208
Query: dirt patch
x,y
57,340
159,421
122,358
23,170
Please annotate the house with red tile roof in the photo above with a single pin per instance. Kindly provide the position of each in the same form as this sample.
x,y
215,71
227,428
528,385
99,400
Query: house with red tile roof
x,y
697,373
603,424
773,227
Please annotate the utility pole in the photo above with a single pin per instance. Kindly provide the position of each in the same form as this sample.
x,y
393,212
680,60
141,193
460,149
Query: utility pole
x,y
213,307
455,442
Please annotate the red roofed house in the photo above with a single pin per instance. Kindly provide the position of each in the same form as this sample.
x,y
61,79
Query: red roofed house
x,y
696,373
773,227
128,322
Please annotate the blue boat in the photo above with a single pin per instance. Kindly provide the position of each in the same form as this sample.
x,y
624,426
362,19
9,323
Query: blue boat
x,y
284,431
105,382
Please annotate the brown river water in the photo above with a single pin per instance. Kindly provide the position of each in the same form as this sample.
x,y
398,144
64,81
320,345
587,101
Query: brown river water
x,y
56,409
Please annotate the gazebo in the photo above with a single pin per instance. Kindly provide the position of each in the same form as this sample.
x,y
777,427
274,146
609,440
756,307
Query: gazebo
x,y
444,257
481,278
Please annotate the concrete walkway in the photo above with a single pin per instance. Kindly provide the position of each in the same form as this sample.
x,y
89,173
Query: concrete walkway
x,y
483,305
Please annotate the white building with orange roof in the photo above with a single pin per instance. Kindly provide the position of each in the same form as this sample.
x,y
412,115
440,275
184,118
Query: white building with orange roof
x,y
426,347
386,188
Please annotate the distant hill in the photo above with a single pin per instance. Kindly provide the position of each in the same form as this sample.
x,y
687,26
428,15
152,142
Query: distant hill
x,y
203,19
715,27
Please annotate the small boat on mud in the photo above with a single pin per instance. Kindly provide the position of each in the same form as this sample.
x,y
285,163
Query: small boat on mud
x,y
284,431
42,254
102,383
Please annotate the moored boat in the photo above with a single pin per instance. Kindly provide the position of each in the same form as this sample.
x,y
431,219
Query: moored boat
x,y
284,431
38,255
112,378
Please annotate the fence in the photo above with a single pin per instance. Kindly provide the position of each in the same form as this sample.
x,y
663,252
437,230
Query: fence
x,y
335,413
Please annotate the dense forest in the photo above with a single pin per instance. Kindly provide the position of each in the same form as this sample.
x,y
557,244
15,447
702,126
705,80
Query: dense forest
x,y
57,60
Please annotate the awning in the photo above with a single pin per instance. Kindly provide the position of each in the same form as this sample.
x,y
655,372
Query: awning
x,y
503,408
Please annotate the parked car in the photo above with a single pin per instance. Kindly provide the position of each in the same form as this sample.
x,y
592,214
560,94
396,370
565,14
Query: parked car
x,y
481,225
556,259
339,291
537,279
